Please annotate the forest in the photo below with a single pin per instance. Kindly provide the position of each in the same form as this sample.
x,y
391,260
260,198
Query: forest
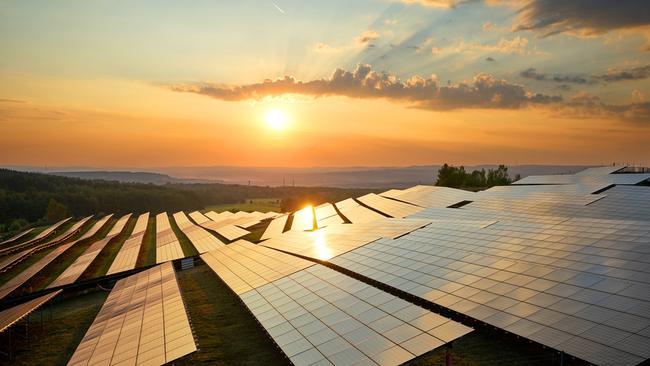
x,y
35,198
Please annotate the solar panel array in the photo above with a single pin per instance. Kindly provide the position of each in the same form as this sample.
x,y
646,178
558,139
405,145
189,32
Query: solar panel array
x,y
232,232
77,268
333,240
319,316
427,196
392,208
275,227
37,238
586,178
202,240
15,258
356,213
17,236
143,321
564,262
167,245
29,272
127,257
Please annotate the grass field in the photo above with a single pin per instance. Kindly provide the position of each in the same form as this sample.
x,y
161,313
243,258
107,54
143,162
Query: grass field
x,y
253,204
227,333
55,344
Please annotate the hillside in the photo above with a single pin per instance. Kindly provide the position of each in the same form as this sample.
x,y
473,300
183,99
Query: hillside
x,y
25,197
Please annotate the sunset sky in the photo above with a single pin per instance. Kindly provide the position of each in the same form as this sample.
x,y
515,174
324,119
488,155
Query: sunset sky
x,y
295,83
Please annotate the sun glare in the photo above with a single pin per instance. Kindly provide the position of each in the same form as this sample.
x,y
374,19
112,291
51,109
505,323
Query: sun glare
x,y
276,119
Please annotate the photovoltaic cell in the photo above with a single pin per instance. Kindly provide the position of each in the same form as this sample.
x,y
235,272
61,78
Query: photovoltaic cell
x,y
127,257
202,240
143,321
316,314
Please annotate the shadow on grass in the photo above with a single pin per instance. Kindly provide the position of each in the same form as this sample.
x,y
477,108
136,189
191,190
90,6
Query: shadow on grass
x,y
55,344
227,333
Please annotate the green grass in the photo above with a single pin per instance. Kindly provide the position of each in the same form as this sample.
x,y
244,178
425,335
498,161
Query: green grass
x,y
188,249
105,258
55,344
227,333
147,254
250,205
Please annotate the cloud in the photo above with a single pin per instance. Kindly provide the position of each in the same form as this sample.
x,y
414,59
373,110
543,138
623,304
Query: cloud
x,y
636,73
532,73
484,91
611,76
583,17
517,45
363,40
445,4
589,106
366,37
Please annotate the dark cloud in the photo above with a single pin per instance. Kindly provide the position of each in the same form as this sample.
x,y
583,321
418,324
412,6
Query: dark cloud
x,y
490,59
582,17
637,73
611,76
484,91
572,79
587,105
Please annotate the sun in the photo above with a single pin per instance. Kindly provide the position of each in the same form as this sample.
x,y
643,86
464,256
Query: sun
x,y
276,119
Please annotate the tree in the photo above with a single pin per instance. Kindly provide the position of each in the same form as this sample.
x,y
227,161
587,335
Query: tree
x,y
55,211
457,177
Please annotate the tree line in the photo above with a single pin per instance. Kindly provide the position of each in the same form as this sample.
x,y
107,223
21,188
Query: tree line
x,y
28,198
457,177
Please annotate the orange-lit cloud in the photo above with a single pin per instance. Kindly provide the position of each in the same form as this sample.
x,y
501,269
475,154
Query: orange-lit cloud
x,y
484,91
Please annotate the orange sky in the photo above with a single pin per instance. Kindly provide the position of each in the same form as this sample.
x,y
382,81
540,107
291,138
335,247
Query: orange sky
x,y
93,93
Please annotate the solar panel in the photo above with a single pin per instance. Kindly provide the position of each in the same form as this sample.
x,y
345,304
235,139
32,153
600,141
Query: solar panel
x,y
46,232
17,236
202,240
127,257
119,225
232,232
389,207
315,314
591,177
12,315
77,268
570,285
430,196
333,240
276,227
167,245
360,214
218,216
14,258
29,272
143,321
198,217
303,219
600,170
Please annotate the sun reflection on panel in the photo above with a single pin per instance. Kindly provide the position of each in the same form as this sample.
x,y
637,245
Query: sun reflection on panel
x,y
321,247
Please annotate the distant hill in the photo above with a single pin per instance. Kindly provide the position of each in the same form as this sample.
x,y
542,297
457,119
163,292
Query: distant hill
x,y
342,177
358,177
129,177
